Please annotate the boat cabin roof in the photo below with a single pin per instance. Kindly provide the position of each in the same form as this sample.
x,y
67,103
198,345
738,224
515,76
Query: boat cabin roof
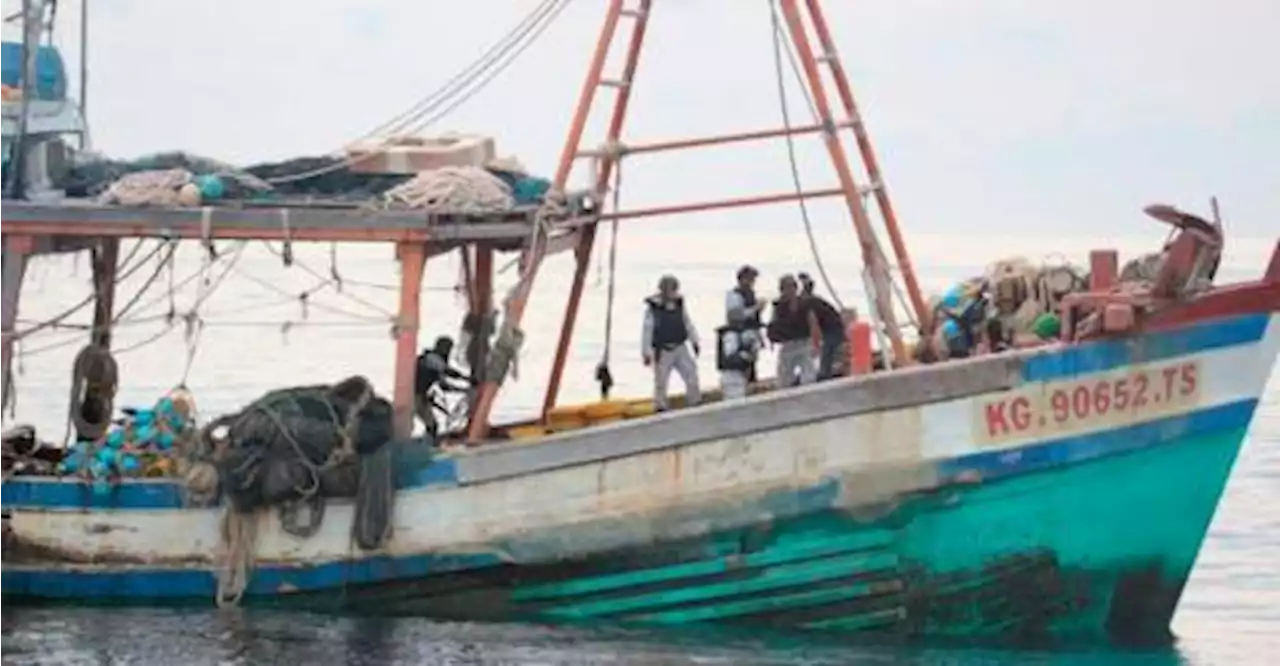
x,y
311,220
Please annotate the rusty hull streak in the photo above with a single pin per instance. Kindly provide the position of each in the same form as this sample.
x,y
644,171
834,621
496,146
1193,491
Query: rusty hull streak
x,y
19,550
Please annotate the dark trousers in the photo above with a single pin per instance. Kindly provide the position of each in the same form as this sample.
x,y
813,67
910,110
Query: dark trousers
x,y
831,342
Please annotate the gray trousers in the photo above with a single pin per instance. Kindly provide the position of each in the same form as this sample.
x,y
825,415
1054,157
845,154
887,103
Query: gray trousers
x,y
681,360
733,384
796,363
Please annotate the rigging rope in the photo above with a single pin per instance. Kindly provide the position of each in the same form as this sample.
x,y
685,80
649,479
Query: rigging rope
x,y
531,28
333,278
125,272
603,374
791,152
794,61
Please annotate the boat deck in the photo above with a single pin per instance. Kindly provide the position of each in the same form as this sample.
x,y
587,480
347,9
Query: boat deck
x,y
311,220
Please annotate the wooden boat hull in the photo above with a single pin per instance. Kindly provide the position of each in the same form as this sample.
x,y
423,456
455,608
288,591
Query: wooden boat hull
x,y
971,500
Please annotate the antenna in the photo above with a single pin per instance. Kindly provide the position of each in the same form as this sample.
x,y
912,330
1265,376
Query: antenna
x,y
84,71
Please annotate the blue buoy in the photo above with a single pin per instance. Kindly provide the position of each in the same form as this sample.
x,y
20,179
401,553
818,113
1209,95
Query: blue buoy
x,y
211,187
128,464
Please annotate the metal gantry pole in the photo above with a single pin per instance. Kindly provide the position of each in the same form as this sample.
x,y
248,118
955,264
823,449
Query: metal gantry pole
x,y
871,255
608,161
479,426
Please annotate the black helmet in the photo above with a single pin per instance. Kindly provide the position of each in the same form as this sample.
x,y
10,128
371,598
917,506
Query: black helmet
x,y
444,345
747,271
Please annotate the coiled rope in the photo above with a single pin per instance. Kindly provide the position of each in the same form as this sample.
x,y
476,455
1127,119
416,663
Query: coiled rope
x,y
467,189
94,381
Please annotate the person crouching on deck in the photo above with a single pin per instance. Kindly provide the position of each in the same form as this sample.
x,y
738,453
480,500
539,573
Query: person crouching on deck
x,y
434,374
668,335
794,327
737,346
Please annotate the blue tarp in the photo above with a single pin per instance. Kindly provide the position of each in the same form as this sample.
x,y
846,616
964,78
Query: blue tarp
x,y
51,74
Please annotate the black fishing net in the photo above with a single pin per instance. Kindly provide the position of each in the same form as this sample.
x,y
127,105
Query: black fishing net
x,y
294,448
326,177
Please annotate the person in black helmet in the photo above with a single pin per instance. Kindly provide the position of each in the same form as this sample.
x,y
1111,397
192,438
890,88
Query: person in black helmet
x,y
435,374
666,340
830,323
744,311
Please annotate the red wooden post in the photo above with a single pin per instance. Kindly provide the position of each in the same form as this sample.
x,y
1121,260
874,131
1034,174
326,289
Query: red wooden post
x,y
413,260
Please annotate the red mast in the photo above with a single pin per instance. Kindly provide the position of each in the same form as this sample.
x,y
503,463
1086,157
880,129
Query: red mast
x,y
794,13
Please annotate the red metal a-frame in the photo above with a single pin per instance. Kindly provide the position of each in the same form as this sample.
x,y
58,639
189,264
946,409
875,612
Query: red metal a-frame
x,y
796,14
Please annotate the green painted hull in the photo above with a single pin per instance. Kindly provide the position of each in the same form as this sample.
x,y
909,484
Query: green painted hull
x,y
1098,549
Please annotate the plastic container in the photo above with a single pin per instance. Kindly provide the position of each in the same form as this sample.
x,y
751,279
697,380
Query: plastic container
x,y
411,154
51,72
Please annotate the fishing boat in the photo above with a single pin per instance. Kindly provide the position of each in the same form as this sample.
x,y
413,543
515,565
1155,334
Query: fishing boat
x,y
1060,490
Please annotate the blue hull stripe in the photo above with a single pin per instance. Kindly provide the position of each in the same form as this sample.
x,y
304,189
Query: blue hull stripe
x,y
1093,357
142,583
1111,354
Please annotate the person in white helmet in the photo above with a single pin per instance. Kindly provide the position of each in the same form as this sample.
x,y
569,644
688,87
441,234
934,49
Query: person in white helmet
x,y
666,342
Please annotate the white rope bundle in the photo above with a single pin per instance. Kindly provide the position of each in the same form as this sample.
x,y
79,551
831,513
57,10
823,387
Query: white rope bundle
x,y
466,189
166,187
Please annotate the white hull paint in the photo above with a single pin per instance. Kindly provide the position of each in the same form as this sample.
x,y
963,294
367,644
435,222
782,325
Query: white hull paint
x,y
515,518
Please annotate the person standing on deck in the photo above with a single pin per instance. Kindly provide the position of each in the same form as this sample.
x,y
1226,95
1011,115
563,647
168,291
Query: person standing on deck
x,y
794,326
741,303
668,335
830,324
434,372
737,346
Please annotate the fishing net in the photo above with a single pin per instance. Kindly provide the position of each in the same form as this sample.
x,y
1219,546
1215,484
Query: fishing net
x,y
292,450
95,175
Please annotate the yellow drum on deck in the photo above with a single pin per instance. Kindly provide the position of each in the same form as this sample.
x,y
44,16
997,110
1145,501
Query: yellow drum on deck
x,y
640,408
566,418
526,432
605,412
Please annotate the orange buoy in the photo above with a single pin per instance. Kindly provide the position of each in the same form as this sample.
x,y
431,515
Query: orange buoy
x,y
858,335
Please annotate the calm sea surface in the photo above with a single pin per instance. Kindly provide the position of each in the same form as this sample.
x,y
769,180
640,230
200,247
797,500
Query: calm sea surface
x,y
258,335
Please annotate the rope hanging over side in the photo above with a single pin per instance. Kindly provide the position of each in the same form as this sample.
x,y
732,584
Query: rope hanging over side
x,y
603,374
506,348
239,542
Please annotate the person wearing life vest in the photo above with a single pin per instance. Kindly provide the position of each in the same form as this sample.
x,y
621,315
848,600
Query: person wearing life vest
x,y
666,340
737,347
830,324
741,303
433,375
794,327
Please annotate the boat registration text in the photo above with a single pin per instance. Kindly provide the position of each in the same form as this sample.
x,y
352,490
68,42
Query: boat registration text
x,y
1115,398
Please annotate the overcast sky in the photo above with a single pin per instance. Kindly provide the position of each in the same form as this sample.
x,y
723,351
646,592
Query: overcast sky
x,y
1010,115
